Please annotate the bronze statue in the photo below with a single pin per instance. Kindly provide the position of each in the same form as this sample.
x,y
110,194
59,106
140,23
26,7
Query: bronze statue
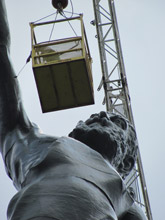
x,y
63,178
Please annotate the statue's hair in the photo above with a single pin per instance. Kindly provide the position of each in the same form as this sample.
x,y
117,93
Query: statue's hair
x,y
130,153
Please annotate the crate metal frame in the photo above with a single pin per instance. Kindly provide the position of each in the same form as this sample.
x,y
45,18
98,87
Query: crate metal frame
x,y
46,60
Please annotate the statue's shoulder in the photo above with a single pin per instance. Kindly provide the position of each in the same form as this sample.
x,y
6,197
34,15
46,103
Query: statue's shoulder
x,y
82,153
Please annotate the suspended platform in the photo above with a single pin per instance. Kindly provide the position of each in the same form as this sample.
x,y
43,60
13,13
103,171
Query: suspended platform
x,y
62,70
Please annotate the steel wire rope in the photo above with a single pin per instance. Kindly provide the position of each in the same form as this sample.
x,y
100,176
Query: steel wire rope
x,y
53,26
63,14
27,61
72,12
72,7
77,42
44,17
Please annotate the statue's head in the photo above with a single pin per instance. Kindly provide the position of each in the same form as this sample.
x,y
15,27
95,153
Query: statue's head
x,y
112,136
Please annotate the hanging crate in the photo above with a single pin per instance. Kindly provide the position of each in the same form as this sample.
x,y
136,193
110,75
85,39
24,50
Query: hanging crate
x,y
62,69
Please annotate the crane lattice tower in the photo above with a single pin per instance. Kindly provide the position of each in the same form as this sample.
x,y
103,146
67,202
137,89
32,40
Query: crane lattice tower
x,y
114,82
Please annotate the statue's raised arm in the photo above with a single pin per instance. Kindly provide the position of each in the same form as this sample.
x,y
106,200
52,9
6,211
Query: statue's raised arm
x,y
16,130
11,110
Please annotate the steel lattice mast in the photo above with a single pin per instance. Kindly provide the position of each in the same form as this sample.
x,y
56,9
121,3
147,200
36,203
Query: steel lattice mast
x,y
114,82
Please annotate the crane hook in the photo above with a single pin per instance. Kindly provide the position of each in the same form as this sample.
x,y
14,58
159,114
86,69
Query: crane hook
x,y
59,4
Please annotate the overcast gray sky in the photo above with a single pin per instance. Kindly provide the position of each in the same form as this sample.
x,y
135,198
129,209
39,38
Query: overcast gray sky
x,y
142,32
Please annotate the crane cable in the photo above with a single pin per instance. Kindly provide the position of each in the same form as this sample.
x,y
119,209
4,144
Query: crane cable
x,y
53,26
27,61
62,13
44,17
72,12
